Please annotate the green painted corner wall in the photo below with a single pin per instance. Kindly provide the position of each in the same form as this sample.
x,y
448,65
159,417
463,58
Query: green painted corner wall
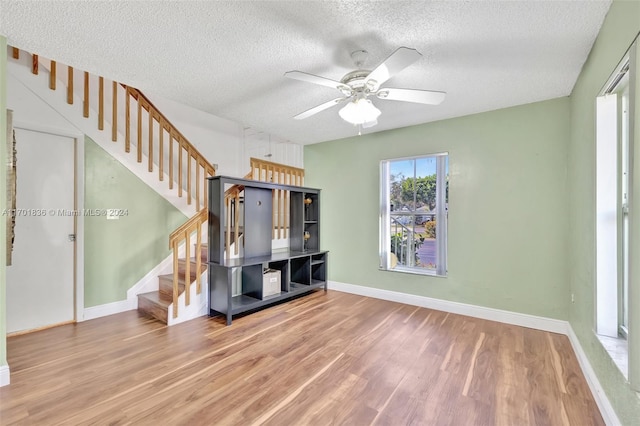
x,y
119,252
507,207
3,201
620,27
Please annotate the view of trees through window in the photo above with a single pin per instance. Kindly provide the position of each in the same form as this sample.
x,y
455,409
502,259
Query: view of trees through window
x,y
413,211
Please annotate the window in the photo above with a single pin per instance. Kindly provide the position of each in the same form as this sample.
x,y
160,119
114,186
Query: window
x,y
614,189
413,214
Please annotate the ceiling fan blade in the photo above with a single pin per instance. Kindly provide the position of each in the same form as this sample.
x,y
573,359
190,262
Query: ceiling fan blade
x,y
310,78
428,97
317,109
396,62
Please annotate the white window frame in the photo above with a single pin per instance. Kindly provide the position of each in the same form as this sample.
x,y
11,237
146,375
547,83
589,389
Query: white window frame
x,y
618,220
440,217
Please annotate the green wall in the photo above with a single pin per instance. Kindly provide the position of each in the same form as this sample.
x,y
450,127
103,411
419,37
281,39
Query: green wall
x,y
3,200
522,205
118,253
621,26
507,207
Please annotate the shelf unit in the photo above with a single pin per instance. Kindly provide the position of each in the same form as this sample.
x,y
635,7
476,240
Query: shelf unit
x,y
236,284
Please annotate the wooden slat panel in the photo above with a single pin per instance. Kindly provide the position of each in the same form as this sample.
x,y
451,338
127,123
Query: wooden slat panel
x,y
139,146
283,212
273,214
176,293
287,197
34,64
281,205
161,151
150,154
85,104
70,85
101,103
205,189
16,53
198,255
170,161
228,226
237,223
189,175
114,114
187,269
179,168
52,76
127,117
198,185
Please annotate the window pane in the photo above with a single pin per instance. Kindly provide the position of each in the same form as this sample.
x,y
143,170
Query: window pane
x,y
401,185
425,184
410,224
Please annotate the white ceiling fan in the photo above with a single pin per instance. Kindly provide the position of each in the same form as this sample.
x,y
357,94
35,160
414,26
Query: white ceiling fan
x,y
357,86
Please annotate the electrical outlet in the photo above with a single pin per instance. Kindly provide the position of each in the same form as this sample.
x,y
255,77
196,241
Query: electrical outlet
x,y
573,298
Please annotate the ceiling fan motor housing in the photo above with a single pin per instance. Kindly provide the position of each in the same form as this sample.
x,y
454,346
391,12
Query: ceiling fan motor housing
x,y
357,81
360,84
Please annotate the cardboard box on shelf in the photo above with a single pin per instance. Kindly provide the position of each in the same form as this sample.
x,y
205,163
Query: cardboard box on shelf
x,y
270,282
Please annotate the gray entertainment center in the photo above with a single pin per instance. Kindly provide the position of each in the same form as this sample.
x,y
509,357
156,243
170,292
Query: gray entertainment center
x,y
238,285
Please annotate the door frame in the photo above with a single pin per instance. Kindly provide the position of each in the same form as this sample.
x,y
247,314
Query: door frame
x,y
78,201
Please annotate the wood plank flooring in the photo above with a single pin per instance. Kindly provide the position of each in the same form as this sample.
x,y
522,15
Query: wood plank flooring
x,y
327,358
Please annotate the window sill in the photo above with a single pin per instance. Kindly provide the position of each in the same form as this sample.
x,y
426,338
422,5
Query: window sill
x,y
413,272
618,349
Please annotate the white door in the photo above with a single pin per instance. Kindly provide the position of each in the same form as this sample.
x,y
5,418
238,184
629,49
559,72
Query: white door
x,y
40,280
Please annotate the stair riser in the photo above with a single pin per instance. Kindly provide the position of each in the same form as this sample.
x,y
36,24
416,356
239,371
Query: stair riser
x,y
182,267
148,307
165,287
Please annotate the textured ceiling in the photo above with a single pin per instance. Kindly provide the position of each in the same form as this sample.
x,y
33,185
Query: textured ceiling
x,y
228,58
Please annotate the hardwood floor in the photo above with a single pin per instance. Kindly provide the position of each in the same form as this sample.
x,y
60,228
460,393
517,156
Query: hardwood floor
x,y
328,358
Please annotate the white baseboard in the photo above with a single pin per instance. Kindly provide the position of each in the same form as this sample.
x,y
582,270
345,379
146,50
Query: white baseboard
x,y
606,409
4,375
109,309
507,317
146,284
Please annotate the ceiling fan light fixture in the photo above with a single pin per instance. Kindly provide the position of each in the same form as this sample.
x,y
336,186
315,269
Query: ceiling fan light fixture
x,y
369,124
360,111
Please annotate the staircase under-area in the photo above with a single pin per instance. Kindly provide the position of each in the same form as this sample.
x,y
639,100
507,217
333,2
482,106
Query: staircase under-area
x,y
136,133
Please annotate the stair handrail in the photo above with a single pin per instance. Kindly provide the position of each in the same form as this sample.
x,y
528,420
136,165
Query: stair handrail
x,y
295,174
157,120
147,104
260,169
183,233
